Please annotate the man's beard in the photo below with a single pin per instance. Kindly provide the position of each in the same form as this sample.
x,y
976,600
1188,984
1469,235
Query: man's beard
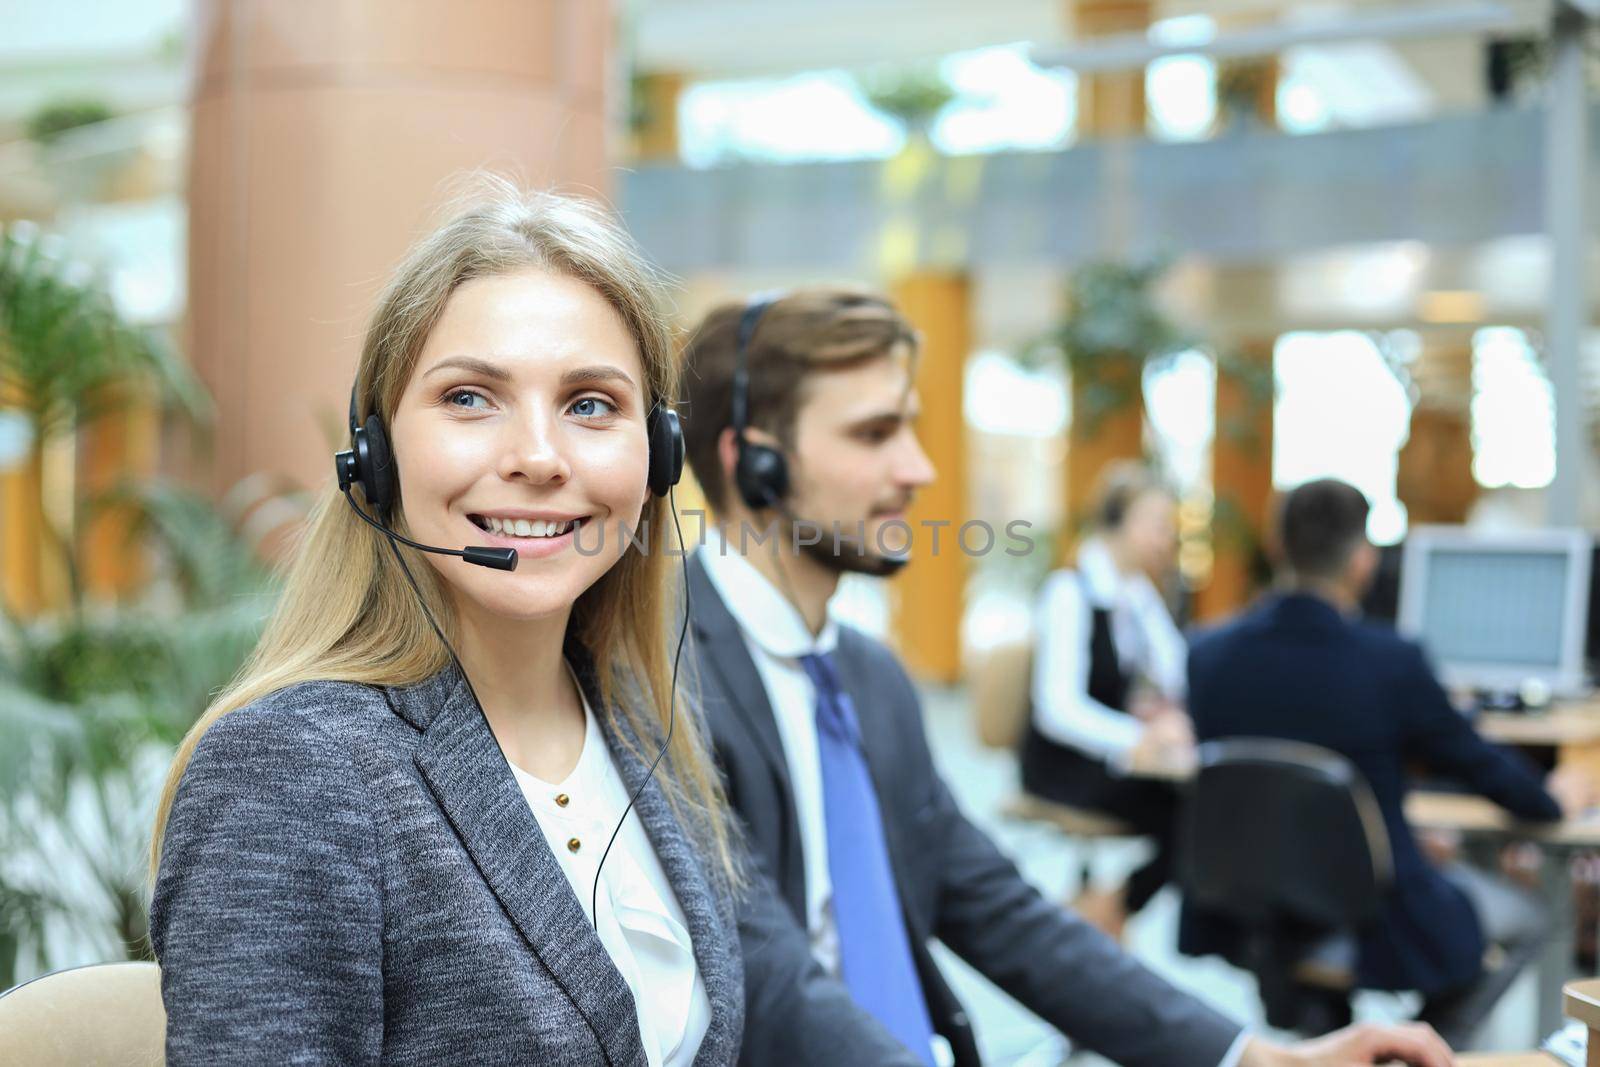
x,y
844,553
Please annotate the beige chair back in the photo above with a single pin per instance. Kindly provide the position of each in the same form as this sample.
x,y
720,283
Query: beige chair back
x,y
1001,681
105,1015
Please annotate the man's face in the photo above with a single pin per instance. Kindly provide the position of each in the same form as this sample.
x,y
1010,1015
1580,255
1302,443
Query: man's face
x,y
856,458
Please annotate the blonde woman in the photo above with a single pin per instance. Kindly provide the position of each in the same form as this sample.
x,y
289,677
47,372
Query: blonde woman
x,y
382,843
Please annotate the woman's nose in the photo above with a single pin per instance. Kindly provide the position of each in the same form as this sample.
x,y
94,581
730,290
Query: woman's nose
x,y
535,453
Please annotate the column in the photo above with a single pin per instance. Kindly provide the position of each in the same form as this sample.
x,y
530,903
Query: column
x,y
928,597
1241,478
1107,426
653,117
1434,477
1110,103
326,134
123,444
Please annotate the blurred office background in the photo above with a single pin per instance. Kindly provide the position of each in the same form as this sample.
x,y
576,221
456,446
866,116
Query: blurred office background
x,y
1253,241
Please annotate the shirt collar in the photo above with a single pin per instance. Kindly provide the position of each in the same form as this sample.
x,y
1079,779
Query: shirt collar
x,y
762,612
1108,586
1099,571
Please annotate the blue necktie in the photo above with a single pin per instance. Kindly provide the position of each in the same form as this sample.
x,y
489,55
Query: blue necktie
x,y
874,951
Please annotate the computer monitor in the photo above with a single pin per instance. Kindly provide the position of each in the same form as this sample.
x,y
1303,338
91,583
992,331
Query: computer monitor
x,y
1497,611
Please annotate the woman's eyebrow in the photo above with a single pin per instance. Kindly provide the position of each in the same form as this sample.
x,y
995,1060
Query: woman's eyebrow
x,y
600,372
493,371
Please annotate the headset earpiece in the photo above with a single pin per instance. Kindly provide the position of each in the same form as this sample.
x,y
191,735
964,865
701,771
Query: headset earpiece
x,y
379,475
760,472
368,462
666,448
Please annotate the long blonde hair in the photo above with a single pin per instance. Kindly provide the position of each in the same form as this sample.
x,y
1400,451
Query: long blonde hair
x,y
346,612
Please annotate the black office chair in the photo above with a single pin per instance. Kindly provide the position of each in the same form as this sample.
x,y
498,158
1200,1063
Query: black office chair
x,y
1282,846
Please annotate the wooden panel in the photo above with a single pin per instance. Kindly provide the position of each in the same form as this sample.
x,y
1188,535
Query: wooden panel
x,y
928,598
1096,439
1241,480
1473,814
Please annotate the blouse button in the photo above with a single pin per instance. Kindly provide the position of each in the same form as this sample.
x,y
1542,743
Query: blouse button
x,y
562,800
573,844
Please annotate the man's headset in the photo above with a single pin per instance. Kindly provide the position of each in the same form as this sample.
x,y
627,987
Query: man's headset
x,y
370,463
761,472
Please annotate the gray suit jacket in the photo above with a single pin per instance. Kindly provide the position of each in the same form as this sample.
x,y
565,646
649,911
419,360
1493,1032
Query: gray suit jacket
x,y
954,884
351,875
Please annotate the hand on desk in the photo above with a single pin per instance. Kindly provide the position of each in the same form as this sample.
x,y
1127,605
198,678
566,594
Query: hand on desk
x,y
1355,1046
1572,789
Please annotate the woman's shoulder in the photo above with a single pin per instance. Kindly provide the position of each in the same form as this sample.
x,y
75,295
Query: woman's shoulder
x,y
1063,582
300,728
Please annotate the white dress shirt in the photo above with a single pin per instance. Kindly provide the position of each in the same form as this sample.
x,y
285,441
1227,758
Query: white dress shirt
x,y
1148,645
641,923
776,637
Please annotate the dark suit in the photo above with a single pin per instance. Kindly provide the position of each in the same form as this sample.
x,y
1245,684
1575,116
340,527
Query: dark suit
x,y
954,884
1295,668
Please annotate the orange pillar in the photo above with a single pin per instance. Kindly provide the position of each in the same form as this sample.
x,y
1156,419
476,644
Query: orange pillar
x,y
122,444
1249,84
1241,478
1107,411
653,117
325,136
22,535
929,596
1111,103
1107,426
1434,479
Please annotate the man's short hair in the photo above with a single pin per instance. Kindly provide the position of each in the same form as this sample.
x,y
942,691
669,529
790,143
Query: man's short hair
x,y
1320,525
804,330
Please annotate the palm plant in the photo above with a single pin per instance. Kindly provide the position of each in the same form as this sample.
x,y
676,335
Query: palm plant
x,y
1113,328
92,704
66,355
94,699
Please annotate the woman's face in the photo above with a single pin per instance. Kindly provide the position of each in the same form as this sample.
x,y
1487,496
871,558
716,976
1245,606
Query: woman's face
x,y
1150,530
523,421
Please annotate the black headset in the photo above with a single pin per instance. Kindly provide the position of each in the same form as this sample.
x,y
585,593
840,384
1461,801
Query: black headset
x,y
369,462
760,472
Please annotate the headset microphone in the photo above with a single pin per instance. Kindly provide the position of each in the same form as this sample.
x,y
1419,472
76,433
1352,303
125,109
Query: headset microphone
x,y
501,559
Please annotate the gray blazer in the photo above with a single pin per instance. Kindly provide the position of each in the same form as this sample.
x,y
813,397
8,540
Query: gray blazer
x,y
955,886
351,875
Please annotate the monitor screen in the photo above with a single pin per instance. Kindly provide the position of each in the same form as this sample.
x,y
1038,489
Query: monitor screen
x,y
1499,611
1496,607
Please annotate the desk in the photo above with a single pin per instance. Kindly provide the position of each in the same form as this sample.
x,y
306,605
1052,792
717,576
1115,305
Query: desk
x,y
1568,724
1471,814
1475,816
1581,1001
1572,729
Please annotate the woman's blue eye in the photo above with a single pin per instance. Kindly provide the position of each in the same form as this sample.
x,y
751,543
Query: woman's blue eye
x,y
451,396
583,407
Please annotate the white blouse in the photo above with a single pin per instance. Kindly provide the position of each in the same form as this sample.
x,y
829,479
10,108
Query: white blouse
x,y
1148,644
641,924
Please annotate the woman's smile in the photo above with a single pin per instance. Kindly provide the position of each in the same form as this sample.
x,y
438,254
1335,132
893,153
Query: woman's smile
x,y
532,538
